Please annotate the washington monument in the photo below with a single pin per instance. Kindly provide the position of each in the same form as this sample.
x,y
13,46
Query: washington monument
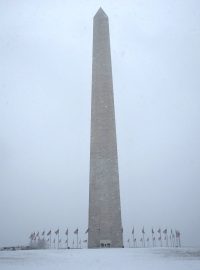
x,y
105,226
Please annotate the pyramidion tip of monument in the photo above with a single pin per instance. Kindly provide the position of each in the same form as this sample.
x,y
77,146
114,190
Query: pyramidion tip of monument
x,y
100,13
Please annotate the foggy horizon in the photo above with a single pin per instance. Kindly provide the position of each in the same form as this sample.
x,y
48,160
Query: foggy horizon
x,y
45,103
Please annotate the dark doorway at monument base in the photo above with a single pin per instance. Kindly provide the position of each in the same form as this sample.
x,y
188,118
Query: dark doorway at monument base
x,y
105,243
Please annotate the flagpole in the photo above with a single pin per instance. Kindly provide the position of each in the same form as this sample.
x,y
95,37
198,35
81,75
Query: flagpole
x,y
167,240
67,240
148,242
133,231
176,241
77,239
160,238
173,240
143,241
133,240
66,233
143,232
58,239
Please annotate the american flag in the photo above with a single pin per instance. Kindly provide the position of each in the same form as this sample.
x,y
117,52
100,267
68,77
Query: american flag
x,y
57,231
76,231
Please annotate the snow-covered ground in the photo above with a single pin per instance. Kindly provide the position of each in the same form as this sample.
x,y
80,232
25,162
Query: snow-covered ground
x,y
128,258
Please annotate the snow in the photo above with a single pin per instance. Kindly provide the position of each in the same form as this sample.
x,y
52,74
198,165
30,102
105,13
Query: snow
x,y
128,258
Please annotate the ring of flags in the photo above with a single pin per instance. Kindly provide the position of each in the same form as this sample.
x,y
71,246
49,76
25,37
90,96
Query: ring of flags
x,y
159,238
165,238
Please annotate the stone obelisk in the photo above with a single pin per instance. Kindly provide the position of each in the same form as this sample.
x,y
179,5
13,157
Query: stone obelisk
x,y
105,226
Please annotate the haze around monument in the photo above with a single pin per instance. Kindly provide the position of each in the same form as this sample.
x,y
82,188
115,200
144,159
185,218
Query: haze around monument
x,y
45,96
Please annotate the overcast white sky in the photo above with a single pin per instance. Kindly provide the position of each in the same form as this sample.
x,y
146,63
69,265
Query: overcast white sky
x,y
45,94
